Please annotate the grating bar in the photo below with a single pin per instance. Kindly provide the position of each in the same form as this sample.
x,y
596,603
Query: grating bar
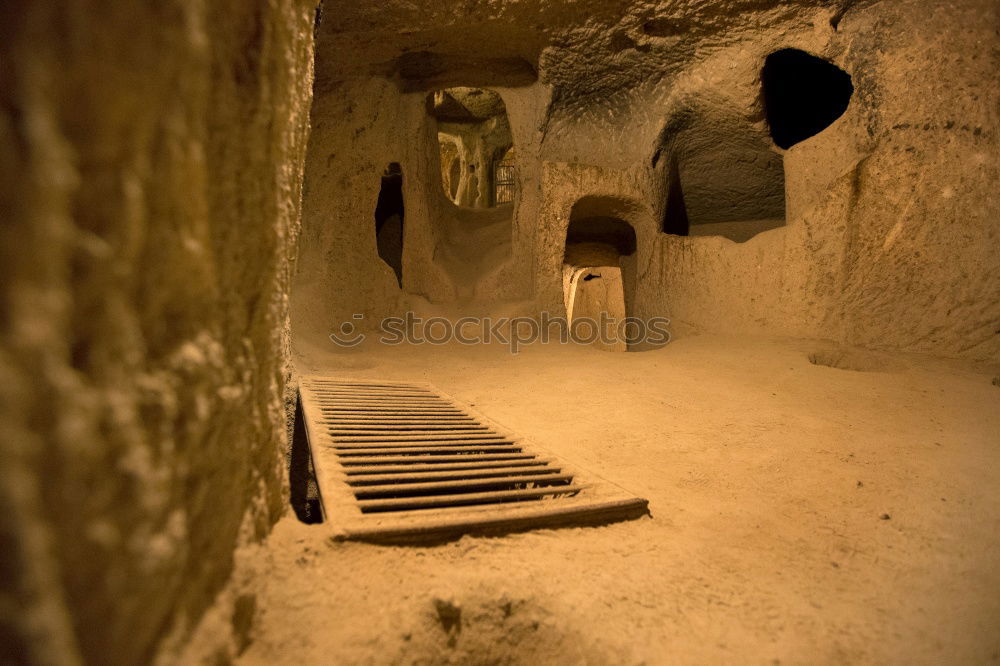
x,y
429,487
399,418
409,434
393,404
325,417
361,382
463,449
364,446
334,390
369,406
354,472
458,458
333,396
437,501
369,385
394,407
439,437
394,425
336,423
367,479
413,423
333,393
391,410
404,427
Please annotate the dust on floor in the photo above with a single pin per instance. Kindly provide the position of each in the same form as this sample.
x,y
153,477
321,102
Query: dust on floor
x,y
801,513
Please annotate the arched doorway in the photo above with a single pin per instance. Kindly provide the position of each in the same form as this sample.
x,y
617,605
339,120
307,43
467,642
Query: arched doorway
x,y
594,284
389,220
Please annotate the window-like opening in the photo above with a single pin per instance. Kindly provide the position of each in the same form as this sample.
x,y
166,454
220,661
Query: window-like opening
x,y
451,166
803,95
721,180
389,220
474,146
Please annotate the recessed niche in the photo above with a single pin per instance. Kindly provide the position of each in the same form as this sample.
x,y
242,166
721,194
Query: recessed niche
x,y
721,180
475,147
803,95
675,217
389,220
858,360
664,27
615,233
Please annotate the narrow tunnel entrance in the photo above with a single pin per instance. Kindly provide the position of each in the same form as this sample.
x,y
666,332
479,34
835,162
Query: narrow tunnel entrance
x,y
675,216
597,294
598,247
389,220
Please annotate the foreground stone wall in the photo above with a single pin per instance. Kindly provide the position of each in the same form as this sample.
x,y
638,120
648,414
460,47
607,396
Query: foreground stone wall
x,y
150,171
890,214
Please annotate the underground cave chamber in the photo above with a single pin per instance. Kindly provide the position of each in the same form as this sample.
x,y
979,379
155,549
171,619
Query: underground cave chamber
x,y
211,455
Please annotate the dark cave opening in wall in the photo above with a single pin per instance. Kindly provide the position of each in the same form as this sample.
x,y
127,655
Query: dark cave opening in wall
x,y
389,220
721,180
303,487
675,216
803,95
602,230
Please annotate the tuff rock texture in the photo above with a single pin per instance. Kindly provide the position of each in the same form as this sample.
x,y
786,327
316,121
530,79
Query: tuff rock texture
x,y
150,173
880,231
154,180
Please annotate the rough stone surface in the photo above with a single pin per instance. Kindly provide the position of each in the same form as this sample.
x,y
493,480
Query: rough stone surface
x,y
150,172
153,172
880,231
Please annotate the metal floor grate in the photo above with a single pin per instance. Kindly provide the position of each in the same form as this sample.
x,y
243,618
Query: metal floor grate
x,y
401,461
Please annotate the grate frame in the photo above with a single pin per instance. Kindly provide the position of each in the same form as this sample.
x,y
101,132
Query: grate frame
x,y
505,182
403,461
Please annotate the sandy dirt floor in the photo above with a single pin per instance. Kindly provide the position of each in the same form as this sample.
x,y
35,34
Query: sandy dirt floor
x,y
800,514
